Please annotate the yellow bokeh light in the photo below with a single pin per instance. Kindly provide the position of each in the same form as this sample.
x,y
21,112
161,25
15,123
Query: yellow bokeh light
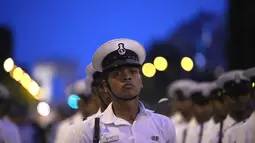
x,y
160,63
38,95
18,73
253,84
148,70
8,64
187,64
25,81
33,88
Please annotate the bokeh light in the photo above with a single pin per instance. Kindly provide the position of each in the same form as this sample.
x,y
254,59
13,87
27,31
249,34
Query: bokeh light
x,y
72,101
34,88
187,64
43,109
18,74
148,70
160,63
8,64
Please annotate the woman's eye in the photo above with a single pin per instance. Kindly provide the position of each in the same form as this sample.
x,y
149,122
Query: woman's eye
x,y
116,73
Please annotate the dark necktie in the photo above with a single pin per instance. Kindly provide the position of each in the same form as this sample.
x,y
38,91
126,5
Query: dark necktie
x,y
184,135
201,133
220,132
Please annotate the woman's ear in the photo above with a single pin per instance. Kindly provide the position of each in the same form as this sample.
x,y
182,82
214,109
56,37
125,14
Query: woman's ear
x,y
104,86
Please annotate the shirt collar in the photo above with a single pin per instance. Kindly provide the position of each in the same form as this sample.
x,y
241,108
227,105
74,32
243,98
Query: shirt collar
x,y
177,118
99,111
250,122
109,116
193,122
228,122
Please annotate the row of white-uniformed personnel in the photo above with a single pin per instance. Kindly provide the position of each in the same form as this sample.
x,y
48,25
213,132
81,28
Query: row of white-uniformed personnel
x,y
218,112
204,112
110,104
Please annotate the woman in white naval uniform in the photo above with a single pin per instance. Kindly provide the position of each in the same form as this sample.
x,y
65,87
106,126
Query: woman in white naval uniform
x,y
125,120
236,90
9,132
244,131
202,112
219,115
179,92
87,106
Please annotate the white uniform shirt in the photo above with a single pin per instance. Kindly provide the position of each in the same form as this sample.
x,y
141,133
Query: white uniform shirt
x,y
73,128
180,127
9,132
147,128
95,115
176,118
194,128
243,132
212,134
65,125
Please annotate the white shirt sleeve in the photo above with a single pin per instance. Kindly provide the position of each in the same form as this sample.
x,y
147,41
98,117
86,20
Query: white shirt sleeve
x,y
80,133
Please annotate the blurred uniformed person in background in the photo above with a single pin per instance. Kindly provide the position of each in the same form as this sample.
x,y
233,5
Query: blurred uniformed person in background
x,y
163,107
244,131
202,112
213,134
179,92
125,119
9,132
94,79
87,106
102,97
236,90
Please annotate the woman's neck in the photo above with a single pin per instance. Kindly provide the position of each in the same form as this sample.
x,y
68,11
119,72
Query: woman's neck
x,y
126,110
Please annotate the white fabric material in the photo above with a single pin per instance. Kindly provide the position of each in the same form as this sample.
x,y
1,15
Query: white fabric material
x,y
180,125
90,70
146,126
235,75
75,126
212,135
95,115
249,72
242,132
65,125
79,87
194,130
185,85
113,45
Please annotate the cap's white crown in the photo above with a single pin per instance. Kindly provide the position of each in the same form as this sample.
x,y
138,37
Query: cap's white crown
x,y
114,45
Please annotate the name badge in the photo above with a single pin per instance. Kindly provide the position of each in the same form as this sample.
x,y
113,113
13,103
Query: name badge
x,y
155,138
110,139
